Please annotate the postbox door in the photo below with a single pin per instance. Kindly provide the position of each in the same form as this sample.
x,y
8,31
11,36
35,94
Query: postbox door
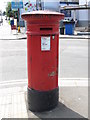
x,y
43,62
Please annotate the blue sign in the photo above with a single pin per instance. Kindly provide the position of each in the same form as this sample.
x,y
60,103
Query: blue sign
x,y
16,5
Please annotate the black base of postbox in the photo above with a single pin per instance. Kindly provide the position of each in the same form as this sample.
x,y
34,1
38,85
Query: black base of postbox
x,y
39,101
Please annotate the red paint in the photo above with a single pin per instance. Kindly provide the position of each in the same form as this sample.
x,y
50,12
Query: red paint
x,y
13,27
42,65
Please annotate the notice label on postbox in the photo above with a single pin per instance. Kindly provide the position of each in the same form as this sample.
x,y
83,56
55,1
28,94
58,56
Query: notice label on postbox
x,y
45,43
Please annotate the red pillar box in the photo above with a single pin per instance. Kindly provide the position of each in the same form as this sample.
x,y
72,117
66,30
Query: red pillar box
x,y
42,47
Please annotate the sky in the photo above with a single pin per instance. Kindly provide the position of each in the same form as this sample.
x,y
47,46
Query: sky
x,y
3,4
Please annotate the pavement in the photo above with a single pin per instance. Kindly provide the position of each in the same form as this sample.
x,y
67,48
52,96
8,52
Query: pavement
x,y
72,100
7,34
73,91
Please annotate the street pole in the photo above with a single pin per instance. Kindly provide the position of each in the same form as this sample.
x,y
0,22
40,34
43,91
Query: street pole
x,y
18,16
86,3
18,21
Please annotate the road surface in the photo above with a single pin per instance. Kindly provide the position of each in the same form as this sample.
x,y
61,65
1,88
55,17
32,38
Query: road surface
x,y
73,61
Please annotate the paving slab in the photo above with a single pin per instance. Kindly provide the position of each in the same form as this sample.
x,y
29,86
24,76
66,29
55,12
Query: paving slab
x,y
73,100
12,102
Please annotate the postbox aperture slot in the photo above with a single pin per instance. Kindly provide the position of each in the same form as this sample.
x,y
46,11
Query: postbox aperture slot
x,y
45,28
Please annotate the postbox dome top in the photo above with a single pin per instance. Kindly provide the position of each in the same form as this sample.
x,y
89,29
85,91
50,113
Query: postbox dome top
x,y
42,14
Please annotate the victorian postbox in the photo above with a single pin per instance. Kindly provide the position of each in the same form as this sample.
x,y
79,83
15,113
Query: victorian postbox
x,y
42,52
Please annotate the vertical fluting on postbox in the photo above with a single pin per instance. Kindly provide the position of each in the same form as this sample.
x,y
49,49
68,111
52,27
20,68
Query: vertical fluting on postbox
x,y
42,52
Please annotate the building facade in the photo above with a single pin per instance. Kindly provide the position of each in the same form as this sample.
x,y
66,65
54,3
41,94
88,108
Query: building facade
x,y
69,14
52,5
84,15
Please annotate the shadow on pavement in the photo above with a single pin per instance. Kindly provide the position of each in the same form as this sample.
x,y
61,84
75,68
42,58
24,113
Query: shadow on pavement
x,y
61,111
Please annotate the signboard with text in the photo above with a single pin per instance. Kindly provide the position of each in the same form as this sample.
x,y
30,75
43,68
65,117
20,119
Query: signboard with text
x,y
15,4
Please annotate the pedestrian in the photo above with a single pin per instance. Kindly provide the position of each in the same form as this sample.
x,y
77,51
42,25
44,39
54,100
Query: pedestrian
x,y
2,21
76,21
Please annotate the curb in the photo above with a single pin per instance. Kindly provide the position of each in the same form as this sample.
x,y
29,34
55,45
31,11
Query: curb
x,y
73,82
13,83
61,36
62,82
14,38
74,37
22,38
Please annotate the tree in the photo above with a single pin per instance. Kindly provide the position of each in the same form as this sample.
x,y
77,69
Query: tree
x,y
9,11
